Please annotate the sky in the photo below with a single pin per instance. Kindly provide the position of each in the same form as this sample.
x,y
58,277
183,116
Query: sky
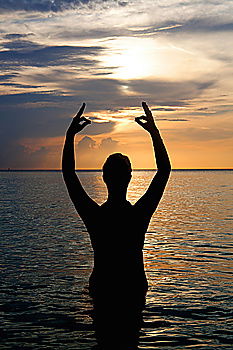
x,y
175,55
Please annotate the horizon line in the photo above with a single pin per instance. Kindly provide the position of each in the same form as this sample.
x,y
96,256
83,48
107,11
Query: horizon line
x,y
136,169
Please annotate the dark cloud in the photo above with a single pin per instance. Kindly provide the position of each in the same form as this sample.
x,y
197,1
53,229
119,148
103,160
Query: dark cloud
x,y
16,155
100,94
173,120
207,24
19,100
4,77
21,46
99,128
20,86
47,5
39,5
103,93
164,109
165,91
15,36
19,53
43,121
33,123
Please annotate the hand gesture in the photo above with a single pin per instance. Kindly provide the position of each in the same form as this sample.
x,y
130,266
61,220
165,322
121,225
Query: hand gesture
x,y
147,120
78,122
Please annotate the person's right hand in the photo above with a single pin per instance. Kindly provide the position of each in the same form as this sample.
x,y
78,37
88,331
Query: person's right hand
x,y
78,122
147,120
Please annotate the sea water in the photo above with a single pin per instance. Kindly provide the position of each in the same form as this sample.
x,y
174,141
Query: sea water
x,y
46,259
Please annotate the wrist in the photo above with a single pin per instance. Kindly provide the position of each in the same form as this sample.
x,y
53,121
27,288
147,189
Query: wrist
x,y
154,133
70,133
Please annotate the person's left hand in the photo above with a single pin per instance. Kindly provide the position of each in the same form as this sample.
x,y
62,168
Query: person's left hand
x,y
147,121
78,123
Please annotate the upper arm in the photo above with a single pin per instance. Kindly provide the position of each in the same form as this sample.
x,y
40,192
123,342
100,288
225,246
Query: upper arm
x,y
150,200
82,202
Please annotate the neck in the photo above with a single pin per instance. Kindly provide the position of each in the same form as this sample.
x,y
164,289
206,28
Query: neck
x,y
117,197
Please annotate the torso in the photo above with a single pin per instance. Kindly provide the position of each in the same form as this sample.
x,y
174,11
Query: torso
x,y
117,235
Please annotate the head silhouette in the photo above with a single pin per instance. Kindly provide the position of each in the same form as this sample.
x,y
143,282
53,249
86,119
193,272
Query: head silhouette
x,y
117,171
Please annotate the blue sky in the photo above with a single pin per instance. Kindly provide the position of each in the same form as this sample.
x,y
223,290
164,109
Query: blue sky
x,y
177,55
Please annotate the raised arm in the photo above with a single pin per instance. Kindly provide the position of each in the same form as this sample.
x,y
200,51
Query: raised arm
x,y
150,200
82,202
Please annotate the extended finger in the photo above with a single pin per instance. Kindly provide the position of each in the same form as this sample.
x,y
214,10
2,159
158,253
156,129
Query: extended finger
x,y
146,109
80,112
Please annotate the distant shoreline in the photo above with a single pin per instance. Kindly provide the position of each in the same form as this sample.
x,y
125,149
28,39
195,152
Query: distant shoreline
x,y
99,170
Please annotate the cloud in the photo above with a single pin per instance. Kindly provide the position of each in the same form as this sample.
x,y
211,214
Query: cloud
x,y
164,109
99,128
4,77
162,92
202,134
41,5
18,53
208,24
108,144
24,100
15,36
104,93
20,86
86,144
173,120
17,156
92,153
50,5
23,124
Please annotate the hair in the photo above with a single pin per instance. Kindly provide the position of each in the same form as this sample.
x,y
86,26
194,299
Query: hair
x,y
116,166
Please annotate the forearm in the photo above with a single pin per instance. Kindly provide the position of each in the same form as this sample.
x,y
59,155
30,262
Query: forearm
x,y
161,155
68,158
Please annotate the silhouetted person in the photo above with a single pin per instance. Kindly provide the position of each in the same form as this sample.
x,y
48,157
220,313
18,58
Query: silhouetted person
x,y
117,228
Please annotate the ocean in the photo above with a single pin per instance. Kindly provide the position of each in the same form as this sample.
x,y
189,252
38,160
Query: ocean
x,y
46,259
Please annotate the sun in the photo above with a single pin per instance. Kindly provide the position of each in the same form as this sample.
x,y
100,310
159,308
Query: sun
x,y
130,58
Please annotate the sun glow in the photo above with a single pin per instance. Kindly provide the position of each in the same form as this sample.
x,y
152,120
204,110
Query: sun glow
x,y
131,58
137,58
